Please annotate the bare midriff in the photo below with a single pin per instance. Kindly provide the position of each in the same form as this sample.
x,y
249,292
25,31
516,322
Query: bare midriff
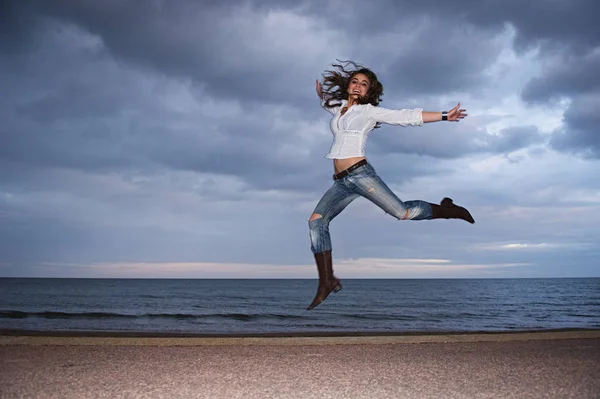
x,y
343,164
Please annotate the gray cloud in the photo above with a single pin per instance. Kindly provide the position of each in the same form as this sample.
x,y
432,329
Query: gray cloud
x,y
227,47
570,76
433,66
232,50
96,114
542,23
18,23
453,142
580,134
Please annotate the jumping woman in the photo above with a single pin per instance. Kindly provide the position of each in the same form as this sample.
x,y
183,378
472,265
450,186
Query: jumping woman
x,y
352,95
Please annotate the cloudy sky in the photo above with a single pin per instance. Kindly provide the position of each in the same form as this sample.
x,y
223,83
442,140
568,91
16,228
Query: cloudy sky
x,y
185,139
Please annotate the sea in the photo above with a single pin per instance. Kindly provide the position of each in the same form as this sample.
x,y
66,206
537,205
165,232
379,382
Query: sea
x,y
255,306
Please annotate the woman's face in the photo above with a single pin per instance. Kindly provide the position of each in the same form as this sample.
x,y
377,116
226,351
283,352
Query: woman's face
x,y
359,85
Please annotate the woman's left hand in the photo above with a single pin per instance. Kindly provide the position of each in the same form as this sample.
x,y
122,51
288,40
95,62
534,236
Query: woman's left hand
x,y
456,113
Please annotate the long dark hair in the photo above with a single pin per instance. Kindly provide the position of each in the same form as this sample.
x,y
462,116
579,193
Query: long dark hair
x,y
336,82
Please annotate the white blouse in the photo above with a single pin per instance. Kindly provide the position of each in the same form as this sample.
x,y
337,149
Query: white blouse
x,y
351,130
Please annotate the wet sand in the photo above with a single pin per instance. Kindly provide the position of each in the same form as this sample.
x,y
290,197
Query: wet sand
x,y
562,364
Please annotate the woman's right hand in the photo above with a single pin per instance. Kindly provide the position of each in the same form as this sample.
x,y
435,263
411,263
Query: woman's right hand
x,y
319,89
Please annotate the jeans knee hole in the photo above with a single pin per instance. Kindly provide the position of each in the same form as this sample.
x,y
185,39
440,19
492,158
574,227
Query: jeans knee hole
x,y
315,216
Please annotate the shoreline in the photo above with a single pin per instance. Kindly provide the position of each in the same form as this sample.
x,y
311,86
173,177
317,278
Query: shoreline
x,y
107,338
174,334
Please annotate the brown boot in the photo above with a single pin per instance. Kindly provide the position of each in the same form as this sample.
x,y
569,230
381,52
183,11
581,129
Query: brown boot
x,y
448,210
334,281
327,281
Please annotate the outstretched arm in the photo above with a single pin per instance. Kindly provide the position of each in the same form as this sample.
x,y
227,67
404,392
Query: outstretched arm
x,y
413,117
454,115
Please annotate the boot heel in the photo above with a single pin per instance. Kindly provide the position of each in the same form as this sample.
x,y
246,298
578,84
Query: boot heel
x,y
337,287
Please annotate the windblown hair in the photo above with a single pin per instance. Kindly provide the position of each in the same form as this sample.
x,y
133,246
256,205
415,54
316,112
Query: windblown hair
x,y
335,84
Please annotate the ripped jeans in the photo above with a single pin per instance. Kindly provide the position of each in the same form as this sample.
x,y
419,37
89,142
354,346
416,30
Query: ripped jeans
x,y
362,181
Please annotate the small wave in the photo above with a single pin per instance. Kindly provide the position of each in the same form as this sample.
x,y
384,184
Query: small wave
x,y
16,314
370,316
591,304
252,317
582,315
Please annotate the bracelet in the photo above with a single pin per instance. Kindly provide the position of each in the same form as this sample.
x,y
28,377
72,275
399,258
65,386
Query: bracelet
x,y
444,115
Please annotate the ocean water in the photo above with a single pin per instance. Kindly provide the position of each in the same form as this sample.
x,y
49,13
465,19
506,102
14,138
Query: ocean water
x,y
279,306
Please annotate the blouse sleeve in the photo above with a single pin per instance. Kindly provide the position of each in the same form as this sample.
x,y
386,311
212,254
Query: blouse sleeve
x,y
402,117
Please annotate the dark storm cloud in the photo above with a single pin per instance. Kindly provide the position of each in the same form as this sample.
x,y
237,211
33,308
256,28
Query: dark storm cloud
x,y
565,25
200,40
569,76
70,105
17,25
193,39
440,66
568,25
74,107
577,80
65,108
187,38
129,131
580,133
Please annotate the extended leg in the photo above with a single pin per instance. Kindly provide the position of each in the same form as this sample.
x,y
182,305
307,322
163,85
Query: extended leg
x,y
375,190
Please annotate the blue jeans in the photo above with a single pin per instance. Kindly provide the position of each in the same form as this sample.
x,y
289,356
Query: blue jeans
x,y
364,182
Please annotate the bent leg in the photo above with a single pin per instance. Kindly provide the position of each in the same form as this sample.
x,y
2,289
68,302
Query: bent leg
x,y
373,188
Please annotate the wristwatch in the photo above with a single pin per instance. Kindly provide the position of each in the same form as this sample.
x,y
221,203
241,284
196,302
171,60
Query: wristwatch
x,y
444,115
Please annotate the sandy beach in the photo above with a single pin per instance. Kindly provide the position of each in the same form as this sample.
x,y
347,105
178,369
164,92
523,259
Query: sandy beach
x,y
561,364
